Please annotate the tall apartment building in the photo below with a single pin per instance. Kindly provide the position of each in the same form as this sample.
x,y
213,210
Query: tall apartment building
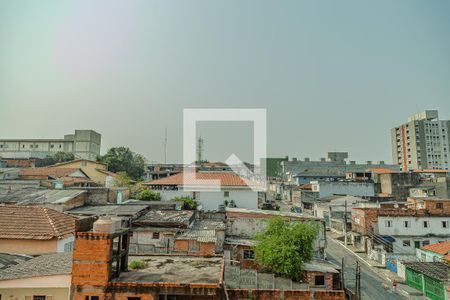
x,y
422,143
83,144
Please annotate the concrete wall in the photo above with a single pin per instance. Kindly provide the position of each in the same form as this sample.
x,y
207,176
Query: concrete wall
x,y
20,293
326,189
61,244
244,198
31,247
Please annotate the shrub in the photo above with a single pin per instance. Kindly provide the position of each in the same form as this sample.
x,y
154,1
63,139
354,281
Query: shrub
x,y
148,195
138,264
188,203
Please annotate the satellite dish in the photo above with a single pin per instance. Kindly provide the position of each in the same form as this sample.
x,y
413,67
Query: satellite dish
x,y
395,205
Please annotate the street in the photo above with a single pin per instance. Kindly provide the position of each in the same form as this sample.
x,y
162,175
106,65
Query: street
x,y
371,283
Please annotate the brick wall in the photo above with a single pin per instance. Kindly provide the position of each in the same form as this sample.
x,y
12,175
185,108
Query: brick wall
x,y
206,249
266,294
238,294
297,295
431,206
367,218
90,259
242,294
309,278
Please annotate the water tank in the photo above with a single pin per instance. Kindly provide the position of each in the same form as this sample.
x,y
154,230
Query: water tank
x,y
105,224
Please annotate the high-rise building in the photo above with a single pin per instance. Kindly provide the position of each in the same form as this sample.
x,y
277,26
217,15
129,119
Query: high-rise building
x,y
422,143
83,144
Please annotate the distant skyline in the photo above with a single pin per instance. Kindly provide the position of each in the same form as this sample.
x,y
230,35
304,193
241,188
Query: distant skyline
x,y
333,75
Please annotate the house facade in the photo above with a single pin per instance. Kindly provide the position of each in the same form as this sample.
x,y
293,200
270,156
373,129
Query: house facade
x,y
233,190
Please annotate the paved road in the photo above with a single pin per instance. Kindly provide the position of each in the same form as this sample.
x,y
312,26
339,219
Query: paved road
x,y
371,283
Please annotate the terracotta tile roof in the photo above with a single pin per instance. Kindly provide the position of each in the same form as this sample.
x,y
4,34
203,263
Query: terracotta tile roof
x,y
48,171
306,186
109,173
439,248
79,160
446,258
226,179
34,222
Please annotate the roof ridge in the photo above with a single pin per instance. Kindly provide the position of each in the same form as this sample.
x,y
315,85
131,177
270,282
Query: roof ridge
x,y
50,219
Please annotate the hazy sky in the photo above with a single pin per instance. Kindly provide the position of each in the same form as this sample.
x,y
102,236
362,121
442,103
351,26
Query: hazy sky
x,y
333,75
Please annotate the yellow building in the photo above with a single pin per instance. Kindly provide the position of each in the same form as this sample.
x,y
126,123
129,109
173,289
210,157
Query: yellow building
x,y
96,171
46,277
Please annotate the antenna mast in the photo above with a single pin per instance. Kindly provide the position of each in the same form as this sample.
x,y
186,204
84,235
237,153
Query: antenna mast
x,y
200,150
165,146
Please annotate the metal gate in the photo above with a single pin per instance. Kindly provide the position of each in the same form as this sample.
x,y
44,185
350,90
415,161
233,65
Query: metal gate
x,y
414,279
434,289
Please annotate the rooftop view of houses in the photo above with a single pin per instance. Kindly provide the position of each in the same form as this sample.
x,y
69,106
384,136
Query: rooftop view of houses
x,y
77,228
225,150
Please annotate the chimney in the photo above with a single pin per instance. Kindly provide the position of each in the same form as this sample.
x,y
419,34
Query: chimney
x,y
352,162
322,159
97,258
307,159
381,162
294,159
369,162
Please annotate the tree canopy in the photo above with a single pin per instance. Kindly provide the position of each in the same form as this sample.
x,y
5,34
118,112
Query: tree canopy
x,y
58,157
122,159
284,246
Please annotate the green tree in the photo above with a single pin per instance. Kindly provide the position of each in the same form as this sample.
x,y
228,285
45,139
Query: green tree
x,y
284,246
58,157
122,159
148,195
188,203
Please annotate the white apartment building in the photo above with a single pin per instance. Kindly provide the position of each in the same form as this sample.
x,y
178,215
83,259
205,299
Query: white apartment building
x,y
83,144
414,231
422,143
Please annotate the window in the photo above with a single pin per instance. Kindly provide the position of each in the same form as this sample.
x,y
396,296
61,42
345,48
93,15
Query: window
x,y
226,194
407,225
68,247
388,223
59,146
426,242
319,280
406,243
416,244
248,254
155,235
439,205
38,297
91,298
52,146
444,224
425,224
134,298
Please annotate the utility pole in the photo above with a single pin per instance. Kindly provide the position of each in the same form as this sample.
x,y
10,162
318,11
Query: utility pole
x,y
358,281
345,223
342,275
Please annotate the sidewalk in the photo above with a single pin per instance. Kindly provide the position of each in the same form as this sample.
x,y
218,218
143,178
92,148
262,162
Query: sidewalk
x,y
380,270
